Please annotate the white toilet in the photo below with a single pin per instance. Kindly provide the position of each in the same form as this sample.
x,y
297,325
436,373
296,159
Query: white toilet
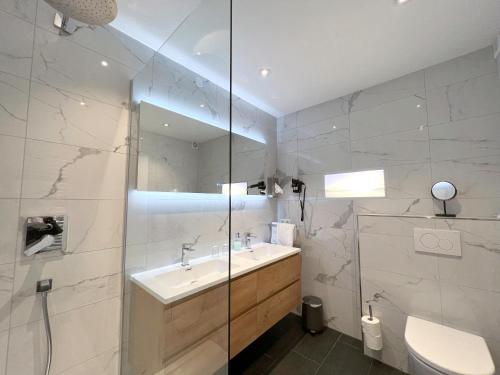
x,y
435,349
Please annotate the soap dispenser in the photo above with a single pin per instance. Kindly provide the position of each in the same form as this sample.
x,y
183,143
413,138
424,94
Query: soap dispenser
x,y
237,242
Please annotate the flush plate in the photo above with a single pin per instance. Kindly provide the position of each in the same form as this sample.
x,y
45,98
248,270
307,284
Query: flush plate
x,y
437,241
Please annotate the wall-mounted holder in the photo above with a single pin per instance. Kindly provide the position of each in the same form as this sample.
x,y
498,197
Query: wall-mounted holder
x,y
299,187
45,233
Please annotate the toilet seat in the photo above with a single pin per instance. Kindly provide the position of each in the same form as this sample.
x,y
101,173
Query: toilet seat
x,y
448,350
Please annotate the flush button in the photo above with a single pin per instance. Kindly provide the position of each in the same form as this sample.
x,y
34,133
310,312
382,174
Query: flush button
x,y
436,241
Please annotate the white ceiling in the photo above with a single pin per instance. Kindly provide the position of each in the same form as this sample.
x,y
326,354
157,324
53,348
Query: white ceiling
x,y
317,49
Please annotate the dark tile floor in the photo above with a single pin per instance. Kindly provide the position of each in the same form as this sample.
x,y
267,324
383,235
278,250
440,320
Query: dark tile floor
x,y
287,350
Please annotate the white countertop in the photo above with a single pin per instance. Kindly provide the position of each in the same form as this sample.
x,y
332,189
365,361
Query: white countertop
x,y
172,283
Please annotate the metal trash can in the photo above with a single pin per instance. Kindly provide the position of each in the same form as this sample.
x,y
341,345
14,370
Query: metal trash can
x,y
312,314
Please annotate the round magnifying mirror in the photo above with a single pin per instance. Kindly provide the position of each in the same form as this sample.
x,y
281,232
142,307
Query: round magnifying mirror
x,y
444,191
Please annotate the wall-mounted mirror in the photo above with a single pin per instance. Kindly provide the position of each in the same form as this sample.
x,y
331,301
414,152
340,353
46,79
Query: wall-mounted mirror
x,y
181,154
444,191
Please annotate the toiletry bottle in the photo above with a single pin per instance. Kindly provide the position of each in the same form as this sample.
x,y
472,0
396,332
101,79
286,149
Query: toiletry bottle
x,y
237,242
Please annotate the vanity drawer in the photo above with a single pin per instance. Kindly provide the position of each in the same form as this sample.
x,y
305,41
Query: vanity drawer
x,y
277,276
272,310
243,331
243,294
247,327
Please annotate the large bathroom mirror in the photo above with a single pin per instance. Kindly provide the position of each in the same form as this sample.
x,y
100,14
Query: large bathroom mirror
x,y
181,154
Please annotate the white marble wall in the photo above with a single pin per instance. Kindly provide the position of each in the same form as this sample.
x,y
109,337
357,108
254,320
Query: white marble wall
x,y
462,292
63,145
439,123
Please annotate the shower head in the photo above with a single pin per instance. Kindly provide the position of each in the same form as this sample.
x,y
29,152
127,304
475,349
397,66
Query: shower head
x,y
91,12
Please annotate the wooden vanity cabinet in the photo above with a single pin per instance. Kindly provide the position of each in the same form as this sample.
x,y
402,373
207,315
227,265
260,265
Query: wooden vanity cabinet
x,y
166,338
261,298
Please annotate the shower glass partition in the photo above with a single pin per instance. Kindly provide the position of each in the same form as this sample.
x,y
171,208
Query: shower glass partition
x,y
176,283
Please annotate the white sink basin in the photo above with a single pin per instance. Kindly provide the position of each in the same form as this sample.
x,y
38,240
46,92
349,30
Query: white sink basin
x,y
174,282
261,252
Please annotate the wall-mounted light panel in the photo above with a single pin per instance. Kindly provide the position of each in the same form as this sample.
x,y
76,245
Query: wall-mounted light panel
x,y
237,189
364,184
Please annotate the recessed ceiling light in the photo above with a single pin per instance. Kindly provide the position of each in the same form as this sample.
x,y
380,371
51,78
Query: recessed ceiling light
x,y
399,2
104,63
334,127
165,125
264,72
82,103
419,105
202,105
198,53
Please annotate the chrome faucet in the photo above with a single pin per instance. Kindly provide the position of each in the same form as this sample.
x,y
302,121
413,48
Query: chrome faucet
x,y
186,247
248,239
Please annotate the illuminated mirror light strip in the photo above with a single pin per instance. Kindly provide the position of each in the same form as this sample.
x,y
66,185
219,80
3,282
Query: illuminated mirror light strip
x,y
365,184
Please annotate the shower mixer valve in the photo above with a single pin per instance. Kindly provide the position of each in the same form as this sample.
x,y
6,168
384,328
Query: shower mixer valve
x,y
45,233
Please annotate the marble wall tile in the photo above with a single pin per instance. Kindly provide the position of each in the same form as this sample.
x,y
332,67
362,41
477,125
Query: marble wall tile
x,y
92,224
407,181
24,9
6,283
15,53
406,147
11,164
409,295
13,105
10,221
400,115
402,87
406,206
471,310
137,217
323,111
323,133
397,254
62,64
477,207
178,88
287,122
392,225
85,332
462,68
4,340
476,137
474,177
463,100
329,260
325,159
104,40
107,363
82,279
59,116
479,265
66,172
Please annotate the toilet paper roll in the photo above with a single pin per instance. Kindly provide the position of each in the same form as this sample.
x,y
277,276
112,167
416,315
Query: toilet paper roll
x,y
372,332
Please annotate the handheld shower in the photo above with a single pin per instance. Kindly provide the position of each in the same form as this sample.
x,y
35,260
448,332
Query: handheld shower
x,y
43,287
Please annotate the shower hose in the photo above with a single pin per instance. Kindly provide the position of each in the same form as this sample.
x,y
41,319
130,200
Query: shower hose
x,y
43,287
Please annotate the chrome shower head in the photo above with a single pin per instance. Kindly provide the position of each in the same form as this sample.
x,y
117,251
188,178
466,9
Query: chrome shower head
x,y
91,12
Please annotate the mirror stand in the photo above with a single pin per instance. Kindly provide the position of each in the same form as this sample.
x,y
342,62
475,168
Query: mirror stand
x,y
445,214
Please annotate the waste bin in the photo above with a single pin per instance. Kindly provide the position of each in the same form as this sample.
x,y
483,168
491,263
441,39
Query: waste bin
x,y
312,314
